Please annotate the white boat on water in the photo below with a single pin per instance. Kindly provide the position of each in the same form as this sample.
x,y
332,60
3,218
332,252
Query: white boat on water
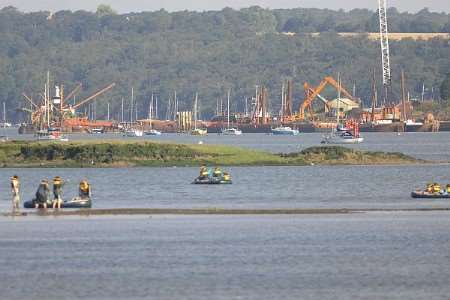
x,y
343,134
231,131
342,137
134,132
97,131
197,131
153,132
228,130
284,131
50,135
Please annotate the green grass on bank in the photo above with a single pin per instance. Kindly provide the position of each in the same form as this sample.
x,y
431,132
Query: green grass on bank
x,y
128,154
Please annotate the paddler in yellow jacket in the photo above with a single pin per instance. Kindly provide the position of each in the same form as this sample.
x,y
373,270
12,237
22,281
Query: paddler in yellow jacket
x,y
217,172
226,176
203,172
84,190
436,188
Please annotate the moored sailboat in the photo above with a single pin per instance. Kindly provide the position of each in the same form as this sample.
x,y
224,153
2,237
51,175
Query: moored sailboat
x,y
228,130
197,131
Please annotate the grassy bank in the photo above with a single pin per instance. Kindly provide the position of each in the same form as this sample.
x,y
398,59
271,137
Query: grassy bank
x,y
129,154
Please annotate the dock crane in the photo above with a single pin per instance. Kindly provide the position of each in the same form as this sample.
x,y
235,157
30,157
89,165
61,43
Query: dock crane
x,y
312,93
59,111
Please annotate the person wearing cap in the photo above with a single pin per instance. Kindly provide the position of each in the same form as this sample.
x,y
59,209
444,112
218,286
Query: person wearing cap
x,y
57,191
15,189
42,194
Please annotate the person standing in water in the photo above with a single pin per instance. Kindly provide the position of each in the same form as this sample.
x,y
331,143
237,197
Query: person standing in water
x,y
15,189
42,194
57,191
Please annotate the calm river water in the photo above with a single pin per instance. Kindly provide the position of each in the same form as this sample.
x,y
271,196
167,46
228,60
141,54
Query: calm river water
x,y
359,256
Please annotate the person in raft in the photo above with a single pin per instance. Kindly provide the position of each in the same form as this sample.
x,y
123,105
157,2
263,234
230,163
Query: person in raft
x,y
15,189
226,176
42,194
84,190
217,172
57,191
203,172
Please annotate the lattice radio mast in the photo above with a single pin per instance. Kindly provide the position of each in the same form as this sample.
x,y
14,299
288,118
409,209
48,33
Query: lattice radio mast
x,y
384,38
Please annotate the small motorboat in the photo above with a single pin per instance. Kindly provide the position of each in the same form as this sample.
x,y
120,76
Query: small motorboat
x,y
211,180
428,195
133,132
199,131
51,134
76,202
153,132
231,131
344,137
284,131
97,131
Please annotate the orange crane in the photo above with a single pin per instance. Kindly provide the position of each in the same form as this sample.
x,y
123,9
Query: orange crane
x,y
311,94
93,96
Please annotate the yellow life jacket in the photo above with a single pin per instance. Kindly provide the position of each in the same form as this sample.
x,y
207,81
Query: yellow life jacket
x,y
227,177
436,188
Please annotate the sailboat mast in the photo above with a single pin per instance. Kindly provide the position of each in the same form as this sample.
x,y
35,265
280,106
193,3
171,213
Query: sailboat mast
x,y
195,111
228,109
48,99
150,108
403,96
339,99
155,114
282,102
131,105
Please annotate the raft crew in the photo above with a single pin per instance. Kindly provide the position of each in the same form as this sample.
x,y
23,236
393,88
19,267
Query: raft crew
x,y
42,194
217,172
429,188
15,189
57,191
84,190
226,176
436,188
204,173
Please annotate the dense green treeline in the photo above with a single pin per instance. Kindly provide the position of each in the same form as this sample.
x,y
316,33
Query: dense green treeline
x,y
208,52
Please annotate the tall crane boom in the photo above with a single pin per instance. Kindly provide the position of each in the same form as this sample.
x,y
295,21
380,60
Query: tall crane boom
x,y
384,38
95,95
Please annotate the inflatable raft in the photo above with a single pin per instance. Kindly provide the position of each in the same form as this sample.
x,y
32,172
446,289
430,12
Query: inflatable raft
x,y
423,194
76,202
211,180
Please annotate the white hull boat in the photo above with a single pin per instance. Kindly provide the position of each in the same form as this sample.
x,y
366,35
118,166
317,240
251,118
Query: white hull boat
x,y
134,133
231,131
153,132
284,131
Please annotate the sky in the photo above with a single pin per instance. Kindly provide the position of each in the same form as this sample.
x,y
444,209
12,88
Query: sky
x,y
200,5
